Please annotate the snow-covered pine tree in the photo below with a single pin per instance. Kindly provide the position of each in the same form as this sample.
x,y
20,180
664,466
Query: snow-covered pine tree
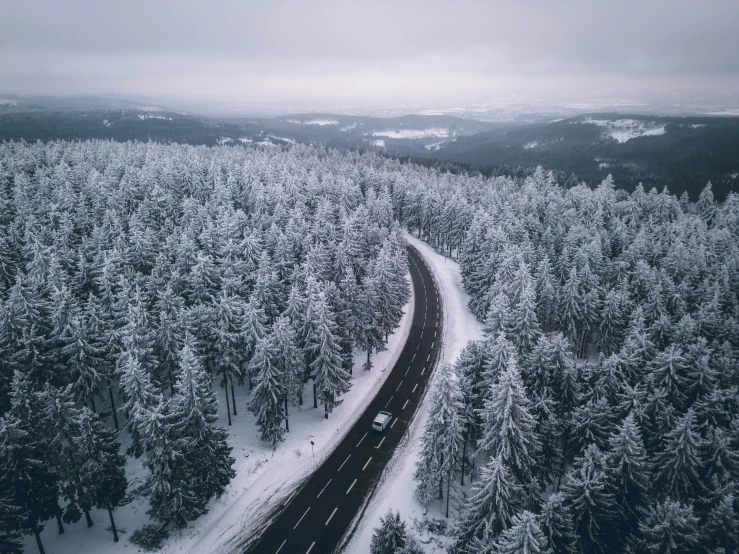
x,y
390,536
171,496
629,478
591,503
253,331
227,325
329,377
491,508
508,427
195,408
556,525
268,397
102,467
524,536
25,470
287,358
141,397
678,464
671,527
442,437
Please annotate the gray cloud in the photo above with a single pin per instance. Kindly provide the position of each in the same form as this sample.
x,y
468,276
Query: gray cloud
x,y
259,50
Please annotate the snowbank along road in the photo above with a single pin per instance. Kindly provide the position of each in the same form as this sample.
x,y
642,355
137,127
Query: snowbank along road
x,y
316,516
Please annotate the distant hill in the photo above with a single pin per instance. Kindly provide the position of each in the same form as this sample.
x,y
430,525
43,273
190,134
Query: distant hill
x,y
682,153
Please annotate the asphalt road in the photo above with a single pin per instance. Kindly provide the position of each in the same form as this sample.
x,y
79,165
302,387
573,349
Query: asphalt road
x,y
317,515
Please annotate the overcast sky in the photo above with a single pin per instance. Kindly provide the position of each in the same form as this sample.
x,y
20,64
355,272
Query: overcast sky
x,y
372,50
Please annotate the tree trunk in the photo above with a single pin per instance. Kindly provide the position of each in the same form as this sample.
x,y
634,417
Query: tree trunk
x,y
325,405
233,395
228,406
88,519
112,405
59,519
39,543
315,396
448,485
92,404
251,386
171,381
112,524
287,421
368,365
464,454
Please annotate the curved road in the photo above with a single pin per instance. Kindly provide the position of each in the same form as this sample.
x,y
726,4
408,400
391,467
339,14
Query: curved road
x,y
317,515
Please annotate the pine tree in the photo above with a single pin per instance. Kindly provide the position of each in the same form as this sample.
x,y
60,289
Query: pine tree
x,y
556,525
671,528
590,502
678,464
524,324
252,333
329,377
195,409
628,476
83,360
10,537
442,436
390,537
524,536
172,498
497,498
592,424
140,396
24,466
267,402
508,427
287,358
227,315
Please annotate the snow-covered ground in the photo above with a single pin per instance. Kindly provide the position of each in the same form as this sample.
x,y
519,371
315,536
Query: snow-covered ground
x,y
412,133
313,121
531,145
378,142
623,130
396,490
264,477
144,117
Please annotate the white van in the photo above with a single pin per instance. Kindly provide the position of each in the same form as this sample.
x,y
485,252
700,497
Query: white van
x,y
382,420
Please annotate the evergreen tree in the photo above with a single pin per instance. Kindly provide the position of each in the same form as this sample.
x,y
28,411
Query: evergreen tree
x,y
523,537
628,475
671,528
195,409
24,465
497,498
591,503
328,375
556,525
172,498
390,537
508,427
102,468
678,464
442,437
267,402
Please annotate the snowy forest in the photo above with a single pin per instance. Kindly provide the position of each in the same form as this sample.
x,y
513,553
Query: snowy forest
x,y
137,278
600,414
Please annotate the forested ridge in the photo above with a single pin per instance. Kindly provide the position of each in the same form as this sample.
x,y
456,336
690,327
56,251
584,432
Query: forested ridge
x,y
135,278
600,413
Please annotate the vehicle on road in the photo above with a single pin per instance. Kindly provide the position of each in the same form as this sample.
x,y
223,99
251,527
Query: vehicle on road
x,y
382,420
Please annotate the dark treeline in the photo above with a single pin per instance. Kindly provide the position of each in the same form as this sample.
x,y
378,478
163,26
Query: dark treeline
x,y
135,279
599,414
